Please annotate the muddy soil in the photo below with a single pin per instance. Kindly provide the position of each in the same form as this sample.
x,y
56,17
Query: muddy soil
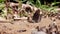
x,y
16,27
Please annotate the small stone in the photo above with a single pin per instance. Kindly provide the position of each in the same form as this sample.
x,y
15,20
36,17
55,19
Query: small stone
x,y
21,31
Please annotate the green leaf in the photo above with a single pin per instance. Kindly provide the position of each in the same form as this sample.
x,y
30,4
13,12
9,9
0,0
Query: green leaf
x,y
2,6
54,3
2,1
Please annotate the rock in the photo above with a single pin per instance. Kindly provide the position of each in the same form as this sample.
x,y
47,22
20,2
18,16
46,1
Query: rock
x,y
22,18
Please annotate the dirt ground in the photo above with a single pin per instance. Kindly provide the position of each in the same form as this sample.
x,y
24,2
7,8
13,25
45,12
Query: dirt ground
x,y
16,26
